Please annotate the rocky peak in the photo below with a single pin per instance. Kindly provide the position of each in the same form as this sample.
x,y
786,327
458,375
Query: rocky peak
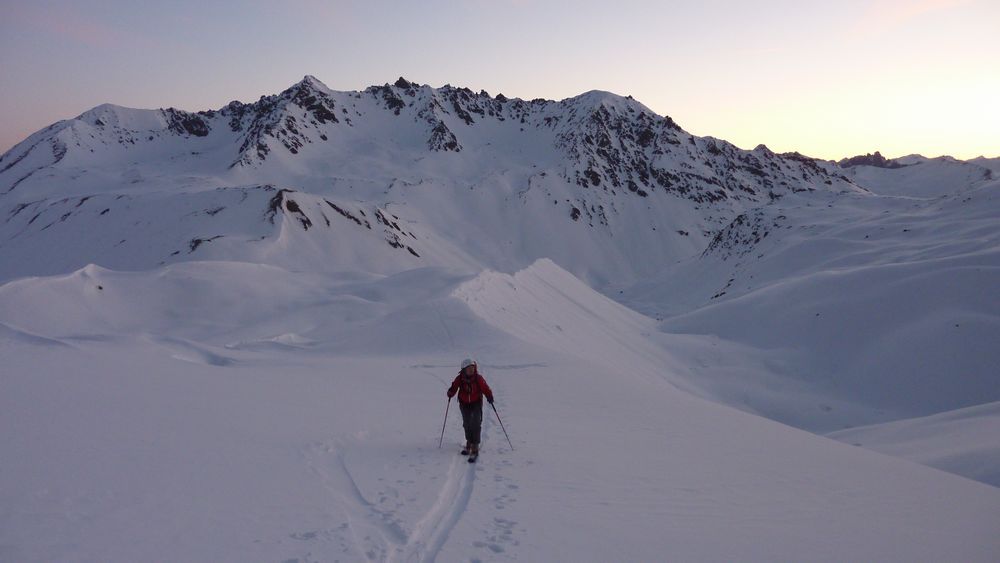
x,y
310,82
270,118
612,144
876,160
185,123
619,145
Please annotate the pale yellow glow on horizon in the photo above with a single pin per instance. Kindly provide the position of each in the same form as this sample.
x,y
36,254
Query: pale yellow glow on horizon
x,y
943,118
903,77
826,79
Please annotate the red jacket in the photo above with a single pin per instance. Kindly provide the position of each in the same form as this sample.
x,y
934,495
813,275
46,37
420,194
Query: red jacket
x,y
470,389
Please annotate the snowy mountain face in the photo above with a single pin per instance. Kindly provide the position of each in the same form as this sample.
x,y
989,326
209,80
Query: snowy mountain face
x,y
864,309
227,335
577,181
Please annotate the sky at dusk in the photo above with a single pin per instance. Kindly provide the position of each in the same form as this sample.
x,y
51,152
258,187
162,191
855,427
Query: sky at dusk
x,y
828,79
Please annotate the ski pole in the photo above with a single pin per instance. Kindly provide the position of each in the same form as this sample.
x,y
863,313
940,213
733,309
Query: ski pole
x,y
441,441
501,426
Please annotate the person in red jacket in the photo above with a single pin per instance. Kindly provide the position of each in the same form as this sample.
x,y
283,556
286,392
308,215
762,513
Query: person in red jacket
x,y
471,388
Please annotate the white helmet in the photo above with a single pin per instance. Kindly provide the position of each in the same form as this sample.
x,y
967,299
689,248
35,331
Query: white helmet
x,y
468,362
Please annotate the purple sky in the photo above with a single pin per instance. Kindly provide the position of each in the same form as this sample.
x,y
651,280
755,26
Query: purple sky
x,y
828,79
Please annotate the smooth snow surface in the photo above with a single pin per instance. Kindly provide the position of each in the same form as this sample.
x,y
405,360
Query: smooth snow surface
x,y
135,431
963,441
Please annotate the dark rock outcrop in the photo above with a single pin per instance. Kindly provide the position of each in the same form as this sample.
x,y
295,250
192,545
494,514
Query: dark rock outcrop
x,y
869,159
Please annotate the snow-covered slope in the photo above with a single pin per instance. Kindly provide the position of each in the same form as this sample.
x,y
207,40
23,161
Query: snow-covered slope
x,y
857,309
211,410
918,176
991,163
962,441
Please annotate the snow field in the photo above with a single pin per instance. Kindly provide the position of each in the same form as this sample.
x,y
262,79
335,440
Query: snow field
x,y
205,439
963,441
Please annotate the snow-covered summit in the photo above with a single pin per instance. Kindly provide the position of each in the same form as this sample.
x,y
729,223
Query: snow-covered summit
x,y
543,175
309,113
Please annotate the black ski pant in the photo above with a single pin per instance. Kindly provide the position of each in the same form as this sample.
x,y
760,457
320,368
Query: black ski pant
x,y
472,420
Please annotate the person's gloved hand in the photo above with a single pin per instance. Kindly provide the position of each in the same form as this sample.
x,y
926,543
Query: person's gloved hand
x,y
490,400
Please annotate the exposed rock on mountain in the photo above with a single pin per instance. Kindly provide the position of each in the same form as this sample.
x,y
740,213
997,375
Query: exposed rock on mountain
x,y
869,159
517,179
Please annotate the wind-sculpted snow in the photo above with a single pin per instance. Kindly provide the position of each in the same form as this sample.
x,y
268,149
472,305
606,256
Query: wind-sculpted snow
x,y
546,306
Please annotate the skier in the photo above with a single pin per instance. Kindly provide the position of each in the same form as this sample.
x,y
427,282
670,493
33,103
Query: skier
x,y
471,387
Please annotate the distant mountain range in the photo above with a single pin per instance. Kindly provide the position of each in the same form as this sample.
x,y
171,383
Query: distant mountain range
x,y
404,175
603,168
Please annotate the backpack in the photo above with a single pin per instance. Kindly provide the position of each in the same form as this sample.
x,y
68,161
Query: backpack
x,y
470,388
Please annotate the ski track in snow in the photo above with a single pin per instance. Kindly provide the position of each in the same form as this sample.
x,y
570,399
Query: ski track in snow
x,y
364,520
379,535
432,531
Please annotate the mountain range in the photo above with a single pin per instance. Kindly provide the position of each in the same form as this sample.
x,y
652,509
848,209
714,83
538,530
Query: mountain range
x,y
597,161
